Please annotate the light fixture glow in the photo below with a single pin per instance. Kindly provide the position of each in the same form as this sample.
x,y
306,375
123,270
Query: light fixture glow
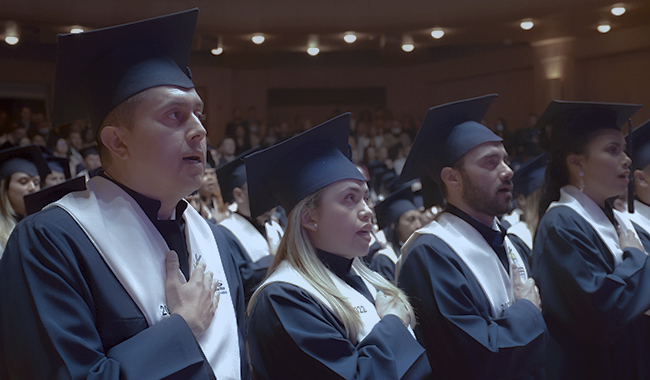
x,y
76,30
407,44
527,24
350,37
217,51
437,33
313,51
604,28
258,39
618,10
11,40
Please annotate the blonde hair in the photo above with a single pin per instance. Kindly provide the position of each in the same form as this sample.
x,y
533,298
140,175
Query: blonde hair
x,y
296,248
7,214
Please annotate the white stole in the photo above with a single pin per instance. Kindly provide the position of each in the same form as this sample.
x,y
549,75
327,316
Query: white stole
x,y
369,317
470,246
274,235
573,198
250,238
135,251
641,215
389,252
521,230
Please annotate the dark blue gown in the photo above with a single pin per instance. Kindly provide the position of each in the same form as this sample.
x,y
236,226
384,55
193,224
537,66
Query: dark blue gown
x,y
594,311
252,273
64,314
383,265
461,338
292,335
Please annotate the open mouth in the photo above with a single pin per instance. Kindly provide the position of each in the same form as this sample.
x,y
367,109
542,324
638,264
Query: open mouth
x,y
193,159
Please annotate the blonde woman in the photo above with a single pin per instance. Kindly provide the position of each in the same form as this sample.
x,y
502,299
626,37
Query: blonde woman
x,y
21,170
322,313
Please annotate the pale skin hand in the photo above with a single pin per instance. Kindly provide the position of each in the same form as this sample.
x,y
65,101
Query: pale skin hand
x,y
195,300
627,239
525,290
388,305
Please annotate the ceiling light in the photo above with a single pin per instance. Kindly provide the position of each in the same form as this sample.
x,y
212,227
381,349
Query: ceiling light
x,y
527,24
258,39
618,9
313,51
437,33
350,37
604,27
217,51
76,30
11,40
407,44
312,45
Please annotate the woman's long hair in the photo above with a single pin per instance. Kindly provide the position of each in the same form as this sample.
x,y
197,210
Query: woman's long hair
x,y
296,248
557,172
7,214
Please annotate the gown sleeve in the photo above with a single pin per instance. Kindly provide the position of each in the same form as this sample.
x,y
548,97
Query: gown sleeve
x,y
291,335
252,273
383,265
579,286
461,338
64,315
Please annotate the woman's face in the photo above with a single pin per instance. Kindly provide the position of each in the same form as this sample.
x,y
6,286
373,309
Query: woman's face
x,y
343,220
61,146
54,178
605,165
407,224
21,184
209,184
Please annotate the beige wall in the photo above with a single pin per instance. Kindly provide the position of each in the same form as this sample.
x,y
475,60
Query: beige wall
x,y
613,68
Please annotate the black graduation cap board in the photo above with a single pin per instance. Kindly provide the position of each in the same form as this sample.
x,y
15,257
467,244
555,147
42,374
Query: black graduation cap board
x,y
287,172
98,69
447,133
27,159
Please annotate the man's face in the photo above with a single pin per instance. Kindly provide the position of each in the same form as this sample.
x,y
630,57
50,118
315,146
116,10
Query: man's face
x,y
75,140
228,147
92,161
486,179
167,143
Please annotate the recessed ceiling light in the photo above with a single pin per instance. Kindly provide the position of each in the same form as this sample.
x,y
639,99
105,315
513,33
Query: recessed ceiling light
x,y
527,24
437,33
604,28
258,39
350,37
217,51
618,10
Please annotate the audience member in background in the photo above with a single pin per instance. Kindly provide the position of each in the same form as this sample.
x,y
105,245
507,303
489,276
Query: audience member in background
x,y
21,170
59,171
226,149
91,162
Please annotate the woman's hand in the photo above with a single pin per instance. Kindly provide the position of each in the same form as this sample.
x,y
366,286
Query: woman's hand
x,y
389,305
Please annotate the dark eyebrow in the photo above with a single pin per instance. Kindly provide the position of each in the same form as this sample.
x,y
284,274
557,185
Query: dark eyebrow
x,y
356,190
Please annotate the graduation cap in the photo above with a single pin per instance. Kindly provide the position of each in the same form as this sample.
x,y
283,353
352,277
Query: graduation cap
x,y
574,119
87,151
640,144
26,159
530,176
99,69
431,193
59,164
289,171
396,203
35,202
232,175
447,133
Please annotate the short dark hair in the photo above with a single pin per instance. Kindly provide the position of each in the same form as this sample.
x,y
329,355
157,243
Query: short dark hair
x,y
121,116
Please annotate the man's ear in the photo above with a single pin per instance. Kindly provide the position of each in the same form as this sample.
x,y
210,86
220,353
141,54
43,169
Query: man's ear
x,y
307,220
451,177
113,139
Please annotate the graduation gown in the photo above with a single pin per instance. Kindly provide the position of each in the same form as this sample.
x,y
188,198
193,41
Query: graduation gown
x,y
292,335
384,261
593,309
463,340
252,272
64,314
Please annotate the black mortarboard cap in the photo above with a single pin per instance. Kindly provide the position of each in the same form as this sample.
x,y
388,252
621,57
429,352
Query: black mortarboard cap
x,y
99,69
396,203
26,159
574,119
530,175
297,167
59,164
641,146
34,202
447,133
232,175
